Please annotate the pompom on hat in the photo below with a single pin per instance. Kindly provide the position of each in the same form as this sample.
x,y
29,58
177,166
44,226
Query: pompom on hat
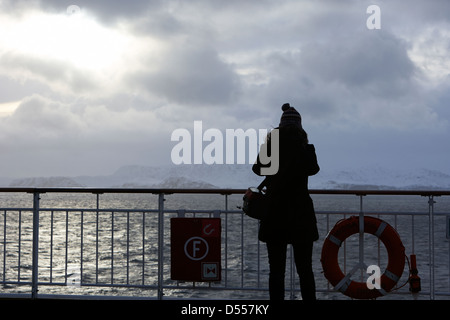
x,y
290,116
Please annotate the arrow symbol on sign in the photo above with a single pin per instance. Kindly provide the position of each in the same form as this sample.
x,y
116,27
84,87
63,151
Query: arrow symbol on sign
x,y
206,227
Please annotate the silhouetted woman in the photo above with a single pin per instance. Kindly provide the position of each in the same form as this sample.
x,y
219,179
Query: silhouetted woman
x,y
291,218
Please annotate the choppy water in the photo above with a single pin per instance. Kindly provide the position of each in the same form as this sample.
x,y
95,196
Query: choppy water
x,y
116,243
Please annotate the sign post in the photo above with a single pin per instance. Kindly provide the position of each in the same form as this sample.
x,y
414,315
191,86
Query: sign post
x,y
195,249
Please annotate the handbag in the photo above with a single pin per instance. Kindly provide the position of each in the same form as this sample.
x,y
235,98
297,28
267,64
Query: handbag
x,y
255,202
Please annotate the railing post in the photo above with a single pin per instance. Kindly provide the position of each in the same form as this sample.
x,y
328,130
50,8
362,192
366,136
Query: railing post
x,y
160,244
226,240
361,235
431,203
35,262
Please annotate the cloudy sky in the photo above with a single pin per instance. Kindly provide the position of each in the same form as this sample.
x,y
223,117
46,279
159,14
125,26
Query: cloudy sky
x,y
83,92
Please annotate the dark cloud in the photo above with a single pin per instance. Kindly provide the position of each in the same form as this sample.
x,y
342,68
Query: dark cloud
x,y
13,90
414,15
348,80
56,138
58,75
108,11
192,75
363,59
159,23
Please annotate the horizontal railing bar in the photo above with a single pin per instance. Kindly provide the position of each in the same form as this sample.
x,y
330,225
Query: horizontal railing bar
x,y
386,213
358,192
211,211
15,295
435,193
107,285
44,296
21,283
405,213
200,287
109,210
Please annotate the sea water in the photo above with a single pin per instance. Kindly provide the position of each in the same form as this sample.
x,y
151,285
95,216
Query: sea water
x,y
115,252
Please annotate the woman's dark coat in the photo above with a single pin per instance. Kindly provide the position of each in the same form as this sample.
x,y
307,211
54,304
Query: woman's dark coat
x,y
291,215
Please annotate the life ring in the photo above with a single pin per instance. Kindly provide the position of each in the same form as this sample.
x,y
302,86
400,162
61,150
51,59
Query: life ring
x,y
359,290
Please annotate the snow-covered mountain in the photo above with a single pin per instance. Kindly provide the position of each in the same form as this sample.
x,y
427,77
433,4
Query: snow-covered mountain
x,y
182,176
45,182
241,177
381,178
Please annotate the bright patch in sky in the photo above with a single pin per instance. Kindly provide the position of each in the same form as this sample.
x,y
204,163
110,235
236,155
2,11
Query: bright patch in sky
x,y
75,39
7,109
430,53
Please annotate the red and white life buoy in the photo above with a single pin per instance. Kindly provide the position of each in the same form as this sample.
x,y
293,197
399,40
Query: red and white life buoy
x,y
390,238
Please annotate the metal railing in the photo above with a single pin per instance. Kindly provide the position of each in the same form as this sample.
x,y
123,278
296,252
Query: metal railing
x,y
107,242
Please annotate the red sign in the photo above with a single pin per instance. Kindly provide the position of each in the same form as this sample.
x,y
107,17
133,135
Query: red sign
x,y
195,249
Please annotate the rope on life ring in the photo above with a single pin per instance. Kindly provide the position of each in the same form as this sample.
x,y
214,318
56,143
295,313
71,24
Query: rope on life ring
x,y
359,290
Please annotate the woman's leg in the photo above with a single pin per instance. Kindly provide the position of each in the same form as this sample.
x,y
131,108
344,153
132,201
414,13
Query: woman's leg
x,y
303,263
277,263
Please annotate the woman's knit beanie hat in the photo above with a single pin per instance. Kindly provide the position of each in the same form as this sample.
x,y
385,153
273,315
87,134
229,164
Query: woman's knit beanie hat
x,y
290,116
